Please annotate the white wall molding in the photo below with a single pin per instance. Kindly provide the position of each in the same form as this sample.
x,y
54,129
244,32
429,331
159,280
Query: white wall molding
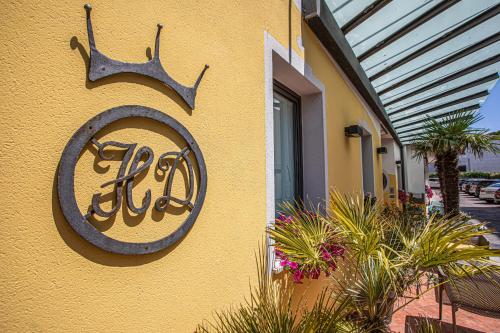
x,y
298,77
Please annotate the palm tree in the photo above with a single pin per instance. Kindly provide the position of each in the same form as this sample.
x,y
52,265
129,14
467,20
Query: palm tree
x,y
446,140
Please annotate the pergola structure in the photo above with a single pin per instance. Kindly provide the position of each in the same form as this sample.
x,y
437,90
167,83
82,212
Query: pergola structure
x,y
413,59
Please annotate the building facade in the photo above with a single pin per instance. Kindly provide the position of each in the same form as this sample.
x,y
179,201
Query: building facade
x,y
488,162
270,119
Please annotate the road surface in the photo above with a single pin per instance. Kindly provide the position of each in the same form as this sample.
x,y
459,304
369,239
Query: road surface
x,y
481,210
477,209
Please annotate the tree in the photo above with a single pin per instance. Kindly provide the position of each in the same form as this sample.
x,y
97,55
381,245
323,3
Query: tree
x,y
446,140
496,133
423,150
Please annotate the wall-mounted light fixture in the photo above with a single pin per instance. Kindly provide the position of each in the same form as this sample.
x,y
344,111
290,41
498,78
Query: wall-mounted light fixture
x,y
398,162
381,150
353,131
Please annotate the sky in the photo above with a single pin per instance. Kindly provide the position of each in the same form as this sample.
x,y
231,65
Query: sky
x,y
491,110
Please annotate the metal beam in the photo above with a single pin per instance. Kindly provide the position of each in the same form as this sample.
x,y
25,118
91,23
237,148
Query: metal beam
x,y
412,130
409,136
448,78
449,113
420,130
431,13
457,56
445,105
445,121
466,86
441,40
319,18
364,15
424,126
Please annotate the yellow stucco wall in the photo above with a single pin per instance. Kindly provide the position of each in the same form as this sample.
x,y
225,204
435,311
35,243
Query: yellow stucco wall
x,y
53,280
344,108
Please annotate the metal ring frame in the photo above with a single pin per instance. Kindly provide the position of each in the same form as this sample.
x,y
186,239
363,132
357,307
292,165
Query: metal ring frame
x,y
66,186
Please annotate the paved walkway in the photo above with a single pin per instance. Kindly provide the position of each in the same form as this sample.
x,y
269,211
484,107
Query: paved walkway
x,y
427,306
477,209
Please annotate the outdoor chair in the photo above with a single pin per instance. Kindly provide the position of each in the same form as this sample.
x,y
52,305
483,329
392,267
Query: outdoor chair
x,y
479,294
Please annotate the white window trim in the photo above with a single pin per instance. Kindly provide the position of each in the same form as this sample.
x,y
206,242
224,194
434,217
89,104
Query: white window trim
x,y
272,46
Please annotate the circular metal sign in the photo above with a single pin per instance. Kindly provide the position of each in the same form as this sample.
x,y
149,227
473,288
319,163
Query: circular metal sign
x,y
124,181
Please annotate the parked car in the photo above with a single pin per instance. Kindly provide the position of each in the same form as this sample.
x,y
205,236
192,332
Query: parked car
x,y
434,182
491,193
465,184
483,184
473,185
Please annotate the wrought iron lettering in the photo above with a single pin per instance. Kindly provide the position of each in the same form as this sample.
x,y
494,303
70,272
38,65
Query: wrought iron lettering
x,y
122,179
163,202
133,162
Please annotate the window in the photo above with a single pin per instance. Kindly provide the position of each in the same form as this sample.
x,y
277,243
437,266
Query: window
x,y
287,147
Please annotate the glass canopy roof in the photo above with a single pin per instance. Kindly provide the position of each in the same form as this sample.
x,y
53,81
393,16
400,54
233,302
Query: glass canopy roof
x,y
424,58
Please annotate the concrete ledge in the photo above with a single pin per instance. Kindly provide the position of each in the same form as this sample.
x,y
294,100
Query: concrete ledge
x,y
492,240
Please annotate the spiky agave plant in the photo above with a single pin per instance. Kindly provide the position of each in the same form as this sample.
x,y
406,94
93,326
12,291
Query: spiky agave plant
x,y
392,255
305,243
269,309
387,256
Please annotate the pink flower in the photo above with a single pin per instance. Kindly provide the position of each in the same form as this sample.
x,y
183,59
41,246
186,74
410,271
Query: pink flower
x,y
293,265
325,255
283,219
298,275
284,262
314,274
337,250
333,265
428,190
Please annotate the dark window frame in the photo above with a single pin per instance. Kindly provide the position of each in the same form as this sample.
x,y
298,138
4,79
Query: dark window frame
x,y
284,91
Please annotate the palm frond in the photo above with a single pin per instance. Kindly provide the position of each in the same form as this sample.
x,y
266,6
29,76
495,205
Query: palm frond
x,y
454,133
358,223
445,241
302,234
425,325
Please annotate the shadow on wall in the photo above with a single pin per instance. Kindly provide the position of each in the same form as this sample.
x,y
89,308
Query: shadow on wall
x,y
125,77
91,252
159,175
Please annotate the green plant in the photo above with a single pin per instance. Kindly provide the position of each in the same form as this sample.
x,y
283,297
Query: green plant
x,y
269,309
307,245
446,140
480,174
475,174
387,253
497,133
